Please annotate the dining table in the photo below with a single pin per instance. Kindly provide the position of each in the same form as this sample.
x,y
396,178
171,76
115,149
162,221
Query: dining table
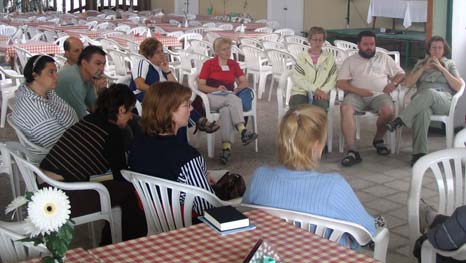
x,y
122,40
34,47
235,36
200,243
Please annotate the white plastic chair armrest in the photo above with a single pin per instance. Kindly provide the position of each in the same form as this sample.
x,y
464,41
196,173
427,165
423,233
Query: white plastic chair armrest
x,y
333,96
428,252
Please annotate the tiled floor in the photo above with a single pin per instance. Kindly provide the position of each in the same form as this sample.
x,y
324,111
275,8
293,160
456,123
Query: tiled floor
x,y
381,182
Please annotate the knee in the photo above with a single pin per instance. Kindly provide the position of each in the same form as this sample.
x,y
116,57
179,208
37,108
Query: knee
x,y
346,110
386,112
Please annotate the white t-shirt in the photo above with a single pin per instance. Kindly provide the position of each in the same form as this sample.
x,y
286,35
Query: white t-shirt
x,y
372,74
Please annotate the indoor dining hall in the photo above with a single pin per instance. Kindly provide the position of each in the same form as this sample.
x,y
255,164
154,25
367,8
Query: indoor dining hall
x,y
232,131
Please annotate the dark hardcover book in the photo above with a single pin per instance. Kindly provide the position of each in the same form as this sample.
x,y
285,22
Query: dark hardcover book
x,y
226,218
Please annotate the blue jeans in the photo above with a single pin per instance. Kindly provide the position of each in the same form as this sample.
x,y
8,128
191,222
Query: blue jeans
x,y
246,95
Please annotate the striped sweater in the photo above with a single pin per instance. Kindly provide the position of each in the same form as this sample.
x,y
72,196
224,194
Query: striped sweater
x,y
165,157
42,120
91,146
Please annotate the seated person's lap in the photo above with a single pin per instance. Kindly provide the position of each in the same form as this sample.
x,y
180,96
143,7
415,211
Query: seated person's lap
x,y
362,104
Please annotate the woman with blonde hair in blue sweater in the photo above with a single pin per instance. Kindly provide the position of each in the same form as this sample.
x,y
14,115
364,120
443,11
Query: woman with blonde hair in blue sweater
x,y
296,184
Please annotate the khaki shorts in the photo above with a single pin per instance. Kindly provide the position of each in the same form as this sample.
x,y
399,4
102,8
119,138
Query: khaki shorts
x,y
374,103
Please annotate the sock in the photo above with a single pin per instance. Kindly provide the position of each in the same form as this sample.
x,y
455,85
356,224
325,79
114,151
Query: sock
x,y
241,128
227,145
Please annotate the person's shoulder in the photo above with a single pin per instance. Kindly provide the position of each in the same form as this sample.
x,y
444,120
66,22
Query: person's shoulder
x,y
69,74
211,61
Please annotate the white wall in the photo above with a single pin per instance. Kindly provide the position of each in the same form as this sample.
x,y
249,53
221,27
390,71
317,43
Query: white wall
x,y
458,55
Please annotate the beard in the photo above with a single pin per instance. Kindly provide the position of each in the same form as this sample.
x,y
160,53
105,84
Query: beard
x,y
367,54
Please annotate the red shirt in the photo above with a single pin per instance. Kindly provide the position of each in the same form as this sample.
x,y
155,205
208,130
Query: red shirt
x,y
214,75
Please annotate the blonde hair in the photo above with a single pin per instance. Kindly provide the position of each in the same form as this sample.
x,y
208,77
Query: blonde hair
x,y
220,41
160,101
316,30
299,130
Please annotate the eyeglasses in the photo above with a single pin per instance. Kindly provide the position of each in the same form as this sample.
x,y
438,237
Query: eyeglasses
x,y
38,59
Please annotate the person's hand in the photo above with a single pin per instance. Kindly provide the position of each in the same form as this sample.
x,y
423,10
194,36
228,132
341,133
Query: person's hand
x,y
428,64
389,88
222,88
210,180
320,95
165,65
436,64
100,84
237,90
366,93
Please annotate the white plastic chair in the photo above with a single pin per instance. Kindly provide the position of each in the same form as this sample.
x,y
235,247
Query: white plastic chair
x,y
460,139
285,32
199,30
273,45
211,36
296,48
280,61
428,253
337,227
34,153
227,27
256,64
140,30
339,54
123,28
209,25
121,68
296,39
448,171
161,201
174,22
251,42
238,56
214,116
59,42
112,34
175,34
189,36
273,24
269,37
22,57
194,23
60,61
31,173
263,30
90,25
343,44
202,47
104,25
8,85
448,120
12,250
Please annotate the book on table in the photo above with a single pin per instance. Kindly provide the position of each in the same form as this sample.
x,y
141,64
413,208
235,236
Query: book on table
x,y
226,218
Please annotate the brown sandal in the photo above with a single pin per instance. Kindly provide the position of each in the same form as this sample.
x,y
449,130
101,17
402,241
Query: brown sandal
x,y
205,126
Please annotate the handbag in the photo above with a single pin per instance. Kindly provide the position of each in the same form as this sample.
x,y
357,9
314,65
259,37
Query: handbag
x,y
230,186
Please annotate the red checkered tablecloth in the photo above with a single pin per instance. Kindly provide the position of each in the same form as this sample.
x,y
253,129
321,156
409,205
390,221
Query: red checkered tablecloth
x,y
4,38
235,36
77,255
34,47
199,243
62,28
166,41
86,32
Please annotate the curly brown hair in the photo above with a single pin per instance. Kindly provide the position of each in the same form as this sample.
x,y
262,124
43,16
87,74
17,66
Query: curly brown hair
x,y
148,47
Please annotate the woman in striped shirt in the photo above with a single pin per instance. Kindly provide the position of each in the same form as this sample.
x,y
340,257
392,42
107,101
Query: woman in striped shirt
x,y
157,152
39,113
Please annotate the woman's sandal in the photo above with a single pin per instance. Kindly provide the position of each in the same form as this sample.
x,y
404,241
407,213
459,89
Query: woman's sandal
x,y
380,147
351,158
205,126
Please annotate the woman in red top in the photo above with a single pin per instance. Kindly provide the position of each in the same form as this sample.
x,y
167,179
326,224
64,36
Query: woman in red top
x,y
217,78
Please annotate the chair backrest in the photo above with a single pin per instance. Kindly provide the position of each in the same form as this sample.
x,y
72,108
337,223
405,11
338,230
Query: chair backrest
x,y
188,36
209,25
194,23
9,30
339,54
296,39
12,249
251,41
270,37
284,92
60,61
448,169
23,56
168,205
199,30
225,27
35,153
253,56
211,36
202,47
295,48
104,25
324,225
176,34
460,139
59,42
236,53
273,45
174,22
454,100
158,30
285,32
264,30
343,44
108,44
122,28
113,33
280,60
119,60
91,24
140,30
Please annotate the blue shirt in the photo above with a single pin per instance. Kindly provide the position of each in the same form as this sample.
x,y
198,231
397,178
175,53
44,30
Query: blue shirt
x,y
324,194
148,72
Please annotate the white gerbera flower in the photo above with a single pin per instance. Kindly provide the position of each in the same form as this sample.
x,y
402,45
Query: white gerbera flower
x,y
15,204
49,209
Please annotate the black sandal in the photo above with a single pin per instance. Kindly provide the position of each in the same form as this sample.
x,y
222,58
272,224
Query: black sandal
x,y
204,126
351,158
380,147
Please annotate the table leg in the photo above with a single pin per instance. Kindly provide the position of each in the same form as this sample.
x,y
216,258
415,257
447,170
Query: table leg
x,y
373,22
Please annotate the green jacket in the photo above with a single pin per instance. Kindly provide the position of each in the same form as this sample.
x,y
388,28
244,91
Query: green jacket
x,y
308,77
